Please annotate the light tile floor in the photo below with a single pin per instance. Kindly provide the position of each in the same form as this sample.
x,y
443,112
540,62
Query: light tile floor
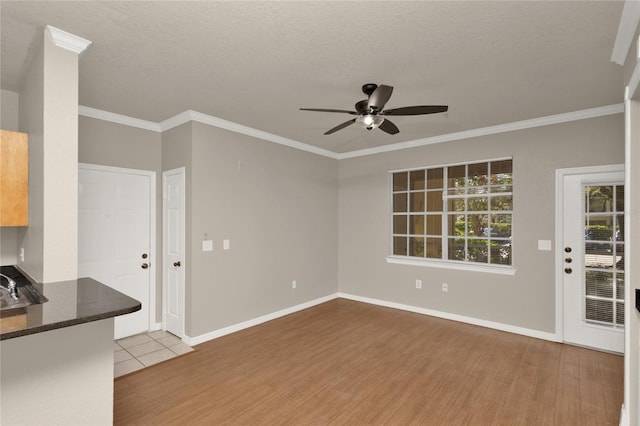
x,y
142,350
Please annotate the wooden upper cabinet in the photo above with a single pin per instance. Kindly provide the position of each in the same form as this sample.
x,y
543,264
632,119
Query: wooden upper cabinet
x,y
14,178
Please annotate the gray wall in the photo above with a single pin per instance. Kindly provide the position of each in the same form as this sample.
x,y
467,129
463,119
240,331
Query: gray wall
x,y
278,207
526,299
111,144
9,110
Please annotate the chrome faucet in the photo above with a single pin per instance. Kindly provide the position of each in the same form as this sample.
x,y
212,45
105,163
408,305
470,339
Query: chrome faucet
x,y
12,287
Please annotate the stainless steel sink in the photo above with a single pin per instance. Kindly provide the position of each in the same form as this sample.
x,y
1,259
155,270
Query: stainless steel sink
x,y
7,302
13,296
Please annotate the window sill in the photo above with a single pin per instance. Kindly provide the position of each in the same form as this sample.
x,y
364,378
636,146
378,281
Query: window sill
x,y
460,266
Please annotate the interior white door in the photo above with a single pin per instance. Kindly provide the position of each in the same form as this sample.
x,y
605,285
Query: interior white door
x,y
174,248
114,228
592,260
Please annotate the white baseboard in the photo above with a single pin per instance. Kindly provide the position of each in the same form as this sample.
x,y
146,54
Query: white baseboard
x,y
192,341
196,340
455,317
624,416
155,326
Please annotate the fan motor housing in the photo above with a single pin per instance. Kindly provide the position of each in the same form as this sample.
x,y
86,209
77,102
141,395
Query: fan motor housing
x,y
361,106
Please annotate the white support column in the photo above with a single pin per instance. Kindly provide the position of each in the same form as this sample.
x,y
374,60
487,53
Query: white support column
x,y
60,154
49,114
630,414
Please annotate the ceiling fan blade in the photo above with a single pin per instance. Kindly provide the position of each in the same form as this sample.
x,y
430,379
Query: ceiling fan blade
x,y
417,110
380,96
329,110
361,106
340,126
389,127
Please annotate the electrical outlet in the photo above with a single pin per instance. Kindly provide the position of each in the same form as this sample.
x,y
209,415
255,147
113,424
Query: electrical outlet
x,y
294,284
445,287
21,254
419,284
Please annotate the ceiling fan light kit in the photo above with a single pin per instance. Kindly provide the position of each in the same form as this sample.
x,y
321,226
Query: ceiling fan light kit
x,y
370,121
371,111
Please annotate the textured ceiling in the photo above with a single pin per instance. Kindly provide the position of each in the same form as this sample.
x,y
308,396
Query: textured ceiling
x,y
255,63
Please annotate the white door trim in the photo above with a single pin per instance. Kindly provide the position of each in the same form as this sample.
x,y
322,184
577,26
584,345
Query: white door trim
x,y
182,171
559,258
153,324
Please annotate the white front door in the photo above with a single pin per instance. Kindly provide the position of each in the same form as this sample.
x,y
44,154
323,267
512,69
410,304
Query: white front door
x,y
173,183
591,258
114,236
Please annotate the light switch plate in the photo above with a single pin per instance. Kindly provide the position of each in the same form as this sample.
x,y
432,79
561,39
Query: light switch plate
x,y
226,244
544,245
207,245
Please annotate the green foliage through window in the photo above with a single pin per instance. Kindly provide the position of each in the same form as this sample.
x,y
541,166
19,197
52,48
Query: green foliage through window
x,y
461,212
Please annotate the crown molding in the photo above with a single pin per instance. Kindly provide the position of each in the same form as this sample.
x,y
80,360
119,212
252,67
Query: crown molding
x,y
118,118
245,130
175,121
491,130
626,30
67,40
189,116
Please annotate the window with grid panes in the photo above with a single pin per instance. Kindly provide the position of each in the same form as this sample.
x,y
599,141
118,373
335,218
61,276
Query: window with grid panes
x,y
458,213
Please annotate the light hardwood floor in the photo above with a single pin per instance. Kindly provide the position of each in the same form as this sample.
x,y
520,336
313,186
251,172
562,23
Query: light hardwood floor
x,y
349,363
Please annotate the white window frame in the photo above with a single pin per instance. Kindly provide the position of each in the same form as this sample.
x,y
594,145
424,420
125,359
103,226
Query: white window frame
x,y
445,263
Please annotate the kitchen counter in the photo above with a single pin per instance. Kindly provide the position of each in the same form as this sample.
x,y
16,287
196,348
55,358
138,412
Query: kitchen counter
x,y
57,357
70,303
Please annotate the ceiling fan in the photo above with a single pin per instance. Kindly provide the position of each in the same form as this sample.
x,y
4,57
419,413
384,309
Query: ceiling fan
x,y
371,113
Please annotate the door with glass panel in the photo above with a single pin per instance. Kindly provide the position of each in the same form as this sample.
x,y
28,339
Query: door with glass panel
x,y
593,260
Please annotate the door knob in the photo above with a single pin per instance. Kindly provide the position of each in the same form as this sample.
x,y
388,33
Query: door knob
x,y
144,265
145,255
176,264
568,260
568,270
567,249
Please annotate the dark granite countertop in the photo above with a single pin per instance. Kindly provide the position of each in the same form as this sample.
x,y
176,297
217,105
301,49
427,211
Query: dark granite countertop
x,y
70,303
